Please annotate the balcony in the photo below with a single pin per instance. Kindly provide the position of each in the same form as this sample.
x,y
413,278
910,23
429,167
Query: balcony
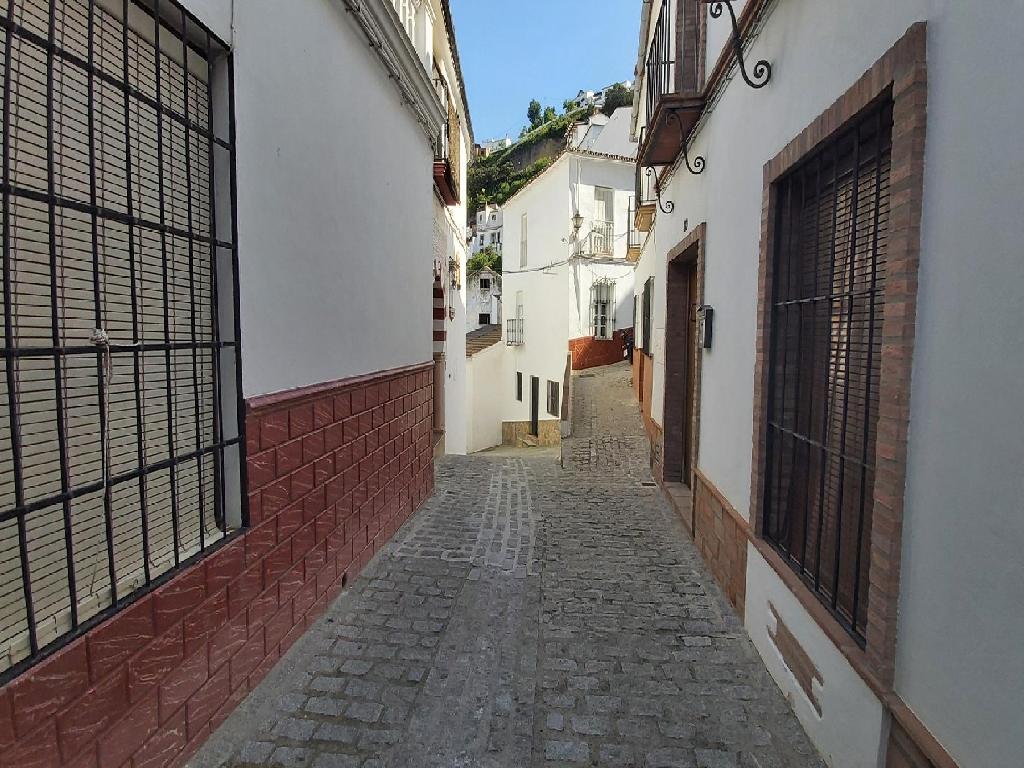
x,y
673,102
645,201
514,332
636,237
600,241
447,157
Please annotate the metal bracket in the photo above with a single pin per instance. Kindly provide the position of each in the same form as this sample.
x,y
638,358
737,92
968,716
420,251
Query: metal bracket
x,y
697,166
668,206
762,68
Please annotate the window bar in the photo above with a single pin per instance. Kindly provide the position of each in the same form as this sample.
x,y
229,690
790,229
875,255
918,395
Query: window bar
x,y
855,199
827,401
192,284
140,419
12,382
870,363
796,275
218,457
102,355
243,471
781,510
813,368
75,493
58,367
165,280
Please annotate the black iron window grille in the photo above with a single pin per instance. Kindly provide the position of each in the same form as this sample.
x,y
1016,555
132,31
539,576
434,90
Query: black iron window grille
x,y
660,66
829,271
519,386
121,428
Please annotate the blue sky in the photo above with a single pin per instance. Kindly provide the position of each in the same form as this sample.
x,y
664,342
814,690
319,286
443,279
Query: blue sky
x,y
547,50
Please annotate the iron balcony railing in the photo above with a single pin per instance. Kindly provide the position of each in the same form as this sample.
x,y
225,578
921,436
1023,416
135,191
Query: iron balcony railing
x,y
514,332
635,239
600,241
660,66
448,147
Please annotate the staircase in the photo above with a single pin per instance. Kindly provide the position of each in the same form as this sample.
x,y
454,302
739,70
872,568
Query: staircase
x,y
482,338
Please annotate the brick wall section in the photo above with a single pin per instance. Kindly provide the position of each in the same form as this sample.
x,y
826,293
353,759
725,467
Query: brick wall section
x,y
721,536
334,471
588,352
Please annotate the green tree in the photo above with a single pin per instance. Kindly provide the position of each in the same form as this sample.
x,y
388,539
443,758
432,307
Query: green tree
x,y
549,114
616,96
568,105
534,113
487,257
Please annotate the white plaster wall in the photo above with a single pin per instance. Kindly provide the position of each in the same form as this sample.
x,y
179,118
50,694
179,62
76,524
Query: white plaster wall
x,y
455,386
327,291
959,665
486,382
850,728
583,275
546,288
215,14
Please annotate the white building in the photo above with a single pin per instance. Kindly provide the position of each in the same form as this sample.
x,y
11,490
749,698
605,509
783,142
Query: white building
x,y
483,298
486,231
844,432
218,399
596,98
486,148
567,295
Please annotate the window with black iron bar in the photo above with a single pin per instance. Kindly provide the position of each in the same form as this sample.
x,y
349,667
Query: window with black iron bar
x,y
120,423
646,309
553,398
828,277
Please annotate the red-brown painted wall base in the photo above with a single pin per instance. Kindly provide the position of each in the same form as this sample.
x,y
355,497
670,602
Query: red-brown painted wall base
x,y
721,536
334,470
589,352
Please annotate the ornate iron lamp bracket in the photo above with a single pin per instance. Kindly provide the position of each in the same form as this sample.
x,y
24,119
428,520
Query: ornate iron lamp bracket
x,y
762,68
668,206
697,166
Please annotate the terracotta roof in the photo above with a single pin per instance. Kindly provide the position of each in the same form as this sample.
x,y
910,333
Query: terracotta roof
x,y
482,338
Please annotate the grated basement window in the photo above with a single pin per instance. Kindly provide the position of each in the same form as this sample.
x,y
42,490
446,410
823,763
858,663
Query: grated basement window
x,y
120,430
829,272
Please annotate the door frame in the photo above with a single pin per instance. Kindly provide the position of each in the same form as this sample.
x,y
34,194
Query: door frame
x,y
683,359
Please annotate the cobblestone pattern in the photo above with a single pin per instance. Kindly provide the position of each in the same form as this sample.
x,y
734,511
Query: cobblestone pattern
x,y
612,646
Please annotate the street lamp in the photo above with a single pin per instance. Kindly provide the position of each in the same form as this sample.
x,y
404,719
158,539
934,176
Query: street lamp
x,y
577,224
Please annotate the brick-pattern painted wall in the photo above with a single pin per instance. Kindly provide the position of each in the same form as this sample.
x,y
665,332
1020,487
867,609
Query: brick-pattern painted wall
x,y
721,537
588,352
333,471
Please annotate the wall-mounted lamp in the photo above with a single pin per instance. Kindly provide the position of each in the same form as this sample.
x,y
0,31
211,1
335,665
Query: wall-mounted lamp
x,y
577,224
705,325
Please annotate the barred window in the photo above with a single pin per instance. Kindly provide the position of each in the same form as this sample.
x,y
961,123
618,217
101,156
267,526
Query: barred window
x,y
602,309
830,235
119,412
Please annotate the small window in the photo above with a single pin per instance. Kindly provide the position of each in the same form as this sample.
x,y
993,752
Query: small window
x,y
602,309
485,283
519,386
553,398
484,319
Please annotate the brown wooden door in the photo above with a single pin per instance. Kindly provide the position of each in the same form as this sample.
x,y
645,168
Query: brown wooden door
x,y
690,353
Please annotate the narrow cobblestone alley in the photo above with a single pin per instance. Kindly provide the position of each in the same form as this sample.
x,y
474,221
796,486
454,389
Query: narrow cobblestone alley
x,y
531,614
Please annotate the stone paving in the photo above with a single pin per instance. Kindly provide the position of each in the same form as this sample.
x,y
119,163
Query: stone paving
x,y
531,614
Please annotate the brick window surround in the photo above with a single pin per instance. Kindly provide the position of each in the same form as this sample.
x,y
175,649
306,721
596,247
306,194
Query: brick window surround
x,y
901,73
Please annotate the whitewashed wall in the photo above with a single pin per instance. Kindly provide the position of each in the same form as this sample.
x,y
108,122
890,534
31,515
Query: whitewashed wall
x,y
327,292
486,381
959,663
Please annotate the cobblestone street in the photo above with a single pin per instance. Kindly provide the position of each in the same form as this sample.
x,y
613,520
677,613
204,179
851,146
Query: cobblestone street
x,y
533,613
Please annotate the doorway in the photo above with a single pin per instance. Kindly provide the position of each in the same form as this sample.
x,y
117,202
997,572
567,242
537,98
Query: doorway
x,y
682,366
535,406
